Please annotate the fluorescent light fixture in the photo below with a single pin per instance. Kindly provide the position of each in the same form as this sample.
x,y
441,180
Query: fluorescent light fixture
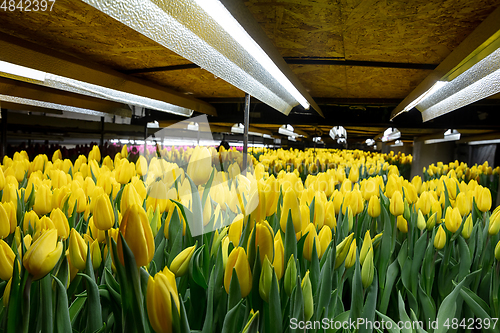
x,y
370,142
391,134
452,135
238,128
397,143
291,138
53,106
83,88
139,142
341,141
192,126
438,85
338,132
267,136
287,130
449,135
154,124
318,139
205,32
484,142
124,141
114,140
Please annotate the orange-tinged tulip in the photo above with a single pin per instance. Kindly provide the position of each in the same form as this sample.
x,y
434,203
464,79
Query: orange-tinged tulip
x,y
160,292
137,233
104,216
43,254
238,262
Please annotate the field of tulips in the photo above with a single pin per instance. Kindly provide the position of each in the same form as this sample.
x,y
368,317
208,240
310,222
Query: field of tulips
x,y
186,240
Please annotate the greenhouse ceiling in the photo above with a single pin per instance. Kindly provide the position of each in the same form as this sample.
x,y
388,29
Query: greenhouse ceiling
x,y
355,60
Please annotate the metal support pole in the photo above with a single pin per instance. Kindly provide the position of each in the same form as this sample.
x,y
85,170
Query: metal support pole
x,y
145,137
246,119
102,132
4,132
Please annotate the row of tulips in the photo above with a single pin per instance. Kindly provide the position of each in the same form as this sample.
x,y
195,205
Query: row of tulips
x,y
110,245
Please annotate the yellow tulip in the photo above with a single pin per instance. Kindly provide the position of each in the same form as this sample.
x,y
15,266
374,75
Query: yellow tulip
x,y
124,171
266,278
2,180
440,238
350,260
374,207
467,229
368,269
424,203
494,225
169,218
397,205
272,193
160,292
338,199
402,224
421,224
95,154
180,264
370,188
311,240
7,257
77,199
279,256
325,237
95,254
497,251
129,197
141,166
483,199
6,293
104,216
290,203
264,241
43,254
463,204
95,233
308,296
160,195
30,218
200,165
8,219
330,219
77,250
290,275
60,222
453,219
342,249
367,244
238,262
43,200
137,233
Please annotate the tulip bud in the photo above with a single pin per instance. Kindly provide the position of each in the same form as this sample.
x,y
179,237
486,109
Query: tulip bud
x,y
95,253
7,257
238,262
368,269
129,198
272,193
330,219
431,222
266,279
137,233
397,205
4,222
77,250
374,207
290,275
494,225
497,251
350,260
180,264
483,199
169,218
43,254
463,204
440,238
60,222
424,203
350,218
367,245
325,237
342,249
290,203
406,213
160,292
6,293
421,224
30,219
453,220
310,241
235,229
467,229
308,296
141,166
402,224
279,254
104,216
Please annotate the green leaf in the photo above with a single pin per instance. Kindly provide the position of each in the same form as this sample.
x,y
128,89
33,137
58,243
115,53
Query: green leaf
x,y
391,275
63,320
234,295
75,308
341,318
290,239
47,318
273,308
196,223
14,310
208,324
357,292
298,305
94,310
448,307
418,256
234,318
196,268
370,306
403,316
393,328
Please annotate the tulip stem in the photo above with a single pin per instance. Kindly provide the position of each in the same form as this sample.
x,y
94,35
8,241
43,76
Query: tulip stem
x,y
26,303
